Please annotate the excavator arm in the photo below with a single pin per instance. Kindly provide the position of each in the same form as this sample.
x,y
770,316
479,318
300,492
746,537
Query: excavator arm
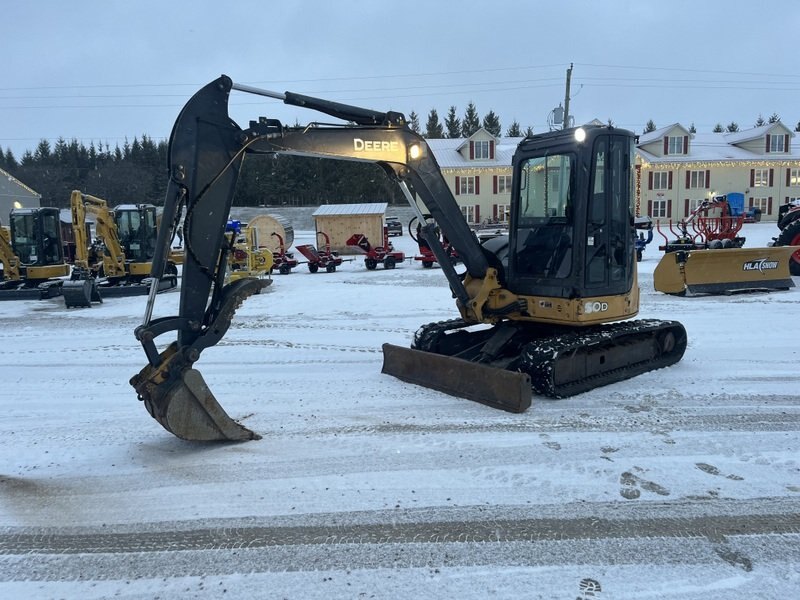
x,y
206,152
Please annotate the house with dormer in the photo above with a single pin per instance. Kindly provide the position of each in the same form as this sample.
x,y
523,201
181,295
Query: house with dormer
x,y
677,169
478,171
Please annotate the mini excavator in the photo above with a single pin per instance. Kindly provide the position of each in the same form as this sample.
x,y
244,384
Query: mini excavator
x,y
546,309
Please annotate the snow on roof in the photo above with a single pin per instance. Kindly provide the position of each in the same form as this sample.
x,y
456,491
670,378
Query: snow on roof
x,y
754,133
656,134
446,153
375,208
716,147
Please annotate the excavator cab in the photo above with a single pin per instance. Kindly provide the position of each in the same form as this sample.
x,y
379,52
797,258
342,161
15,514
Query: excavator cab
x,y
571,221
136,227
36,239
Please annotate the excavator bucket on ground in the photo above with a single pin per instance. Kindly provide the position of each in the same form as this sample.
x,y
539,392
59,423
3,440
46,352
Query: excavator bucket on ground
x,y
724,271
187,408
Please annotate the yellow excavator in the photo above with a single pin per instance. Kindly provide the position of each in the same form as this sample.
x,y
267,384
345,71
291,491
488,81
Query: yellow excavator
x,y
117,261
32,254
548,308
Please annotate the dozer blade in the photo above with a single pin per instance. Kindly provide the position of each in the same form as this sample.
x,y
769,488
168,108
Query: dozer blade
x,y
498,388
187,408
724,271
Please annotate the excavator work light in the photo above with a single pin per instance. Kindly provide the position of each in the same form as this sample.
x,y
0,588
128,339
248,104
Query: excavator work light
x,y
414,151
580,134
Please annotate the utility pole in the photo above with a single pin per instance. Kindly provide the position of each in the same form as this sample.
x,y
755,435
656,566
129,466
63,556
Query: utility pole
x,y
566,98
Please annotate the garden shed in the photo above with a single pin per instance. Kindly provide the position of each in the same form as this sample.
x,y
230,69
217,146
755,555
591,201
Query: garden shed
x,y
340,221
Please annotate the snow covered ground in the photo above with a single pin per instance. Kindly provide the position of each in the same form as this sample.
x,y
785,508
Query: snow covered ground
x,y
682,483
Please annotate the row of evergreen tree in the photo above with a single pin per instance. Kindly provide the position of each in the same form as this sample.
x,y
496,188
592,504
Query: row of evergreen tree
x,y
136,172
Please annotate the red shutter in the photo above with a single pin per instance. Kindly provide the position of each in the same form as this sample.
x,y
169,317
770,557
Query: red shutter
x,y
669,181
752,177
786,142
494,211
751,203
491,149
686,208
477,185
649,208
708,178
686,144
767,148
771,173
688,179
769,205
477,213
788,177
494,184
650,180
669,208
472,150
666,145
458,185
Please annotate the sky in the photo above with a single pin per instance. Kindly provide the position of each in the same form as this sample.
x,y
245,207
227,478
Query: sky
x,y
108,71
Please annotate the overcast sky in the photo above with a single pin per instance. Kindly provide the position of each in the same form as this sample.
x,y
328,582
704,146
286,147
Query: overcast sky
x,y
102,71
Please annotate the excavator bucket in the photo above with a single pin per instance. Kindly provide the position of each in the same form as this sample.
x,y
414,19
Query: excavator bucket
x,y
506,390
724,271
185,406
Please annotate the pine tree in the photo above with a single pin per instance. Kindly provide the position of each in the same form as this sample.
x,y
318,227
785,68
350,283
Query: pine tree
x,y
718,128
529,131
433,128
491,123
471,121
413,121
774,118
733,127
650,126
797,127
760,121
42,154
452,123
514,130
692,128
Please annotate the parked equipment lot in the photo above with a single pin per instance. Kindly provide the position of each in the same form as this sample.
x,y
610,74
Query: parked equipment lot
x,y
682,483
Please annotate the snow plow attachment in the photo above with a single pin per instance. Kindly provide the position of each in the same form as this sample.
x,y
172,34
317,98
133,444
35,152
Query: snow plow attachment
x,y
506,390
724,271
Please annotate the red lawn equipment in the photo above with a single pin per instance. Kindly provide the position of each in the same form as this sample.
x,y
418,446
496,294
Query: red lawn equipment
x,y
319,258
282,260
385,254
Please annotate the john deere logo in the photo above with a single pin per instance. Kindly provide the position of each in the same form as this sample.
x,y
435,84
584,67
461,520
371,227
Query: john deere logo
x,y
760,265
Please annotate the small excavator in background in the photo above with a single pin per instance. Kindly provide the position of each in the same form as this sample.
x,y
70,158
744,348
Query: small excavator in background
x,y
706,256
547,308
32,254
117,262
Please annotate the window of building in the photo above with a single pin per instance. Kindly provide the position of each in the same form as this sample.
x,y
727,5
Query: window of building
x,y
776,143
794,177
481,150
469,213
697,179
503,212
761,177
675,145
762,204
659,209
466,185
504,184
660,180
